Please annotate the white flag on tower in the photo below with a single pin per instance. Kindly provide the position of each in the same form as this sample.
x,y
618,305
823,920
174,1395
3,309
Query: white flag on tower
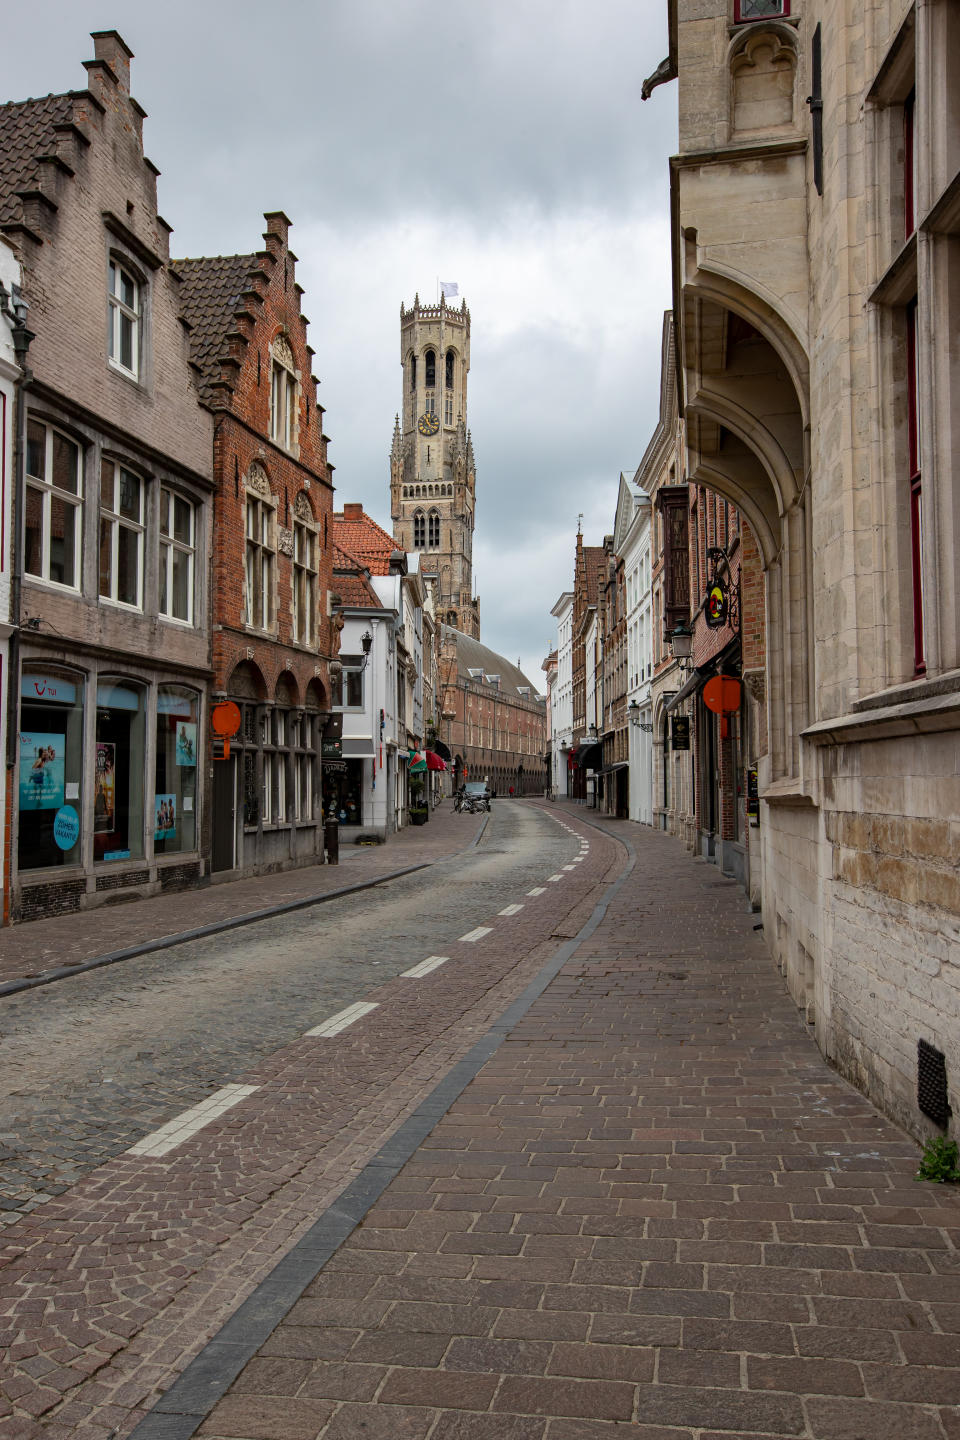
x,y
449,287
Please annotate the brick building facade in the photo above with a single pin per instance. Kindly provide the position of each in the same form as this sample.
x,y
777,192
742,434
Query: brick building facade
x,y
111,660
274,632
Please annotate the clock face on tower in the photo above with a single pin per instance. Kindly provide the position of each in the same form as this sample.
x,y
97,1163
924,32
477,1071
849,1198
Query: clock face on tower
x,y
428,424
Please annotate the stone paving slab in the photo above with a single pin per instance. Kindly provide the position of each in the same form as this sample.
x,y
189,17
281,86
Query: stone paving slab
x,y
32,949
108,1290
655,1211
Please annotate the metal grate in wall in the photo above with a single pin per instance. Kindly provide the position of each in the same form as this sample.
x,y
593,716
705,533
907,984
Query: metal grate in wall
x,y
932,1083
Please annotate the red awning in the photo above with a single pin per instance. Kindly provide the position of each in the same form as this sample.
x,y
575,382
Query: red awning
x,y
434,761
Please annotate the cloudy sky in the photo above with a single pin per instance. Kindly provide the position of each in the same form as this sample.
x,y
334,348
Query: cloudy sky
x,y
502,145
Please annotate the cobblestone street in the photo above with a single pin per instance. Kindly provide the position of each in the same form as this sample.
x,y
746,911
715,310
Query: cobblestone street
x,y
623,1191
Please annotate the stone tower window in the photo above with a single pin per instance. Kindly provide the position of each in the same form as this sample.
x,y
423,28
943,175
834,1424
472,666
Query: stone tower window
x,y
746,10
419,530
430,366
433,533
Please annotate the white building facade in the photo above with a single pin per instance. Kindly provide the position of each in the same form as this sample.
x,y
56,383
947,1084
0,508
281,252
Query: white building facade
x,y
632,544
562,694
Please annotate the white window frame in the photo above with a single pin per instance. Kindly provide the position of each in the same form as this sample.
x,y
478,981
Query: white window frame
x,y
45,488
169,546
112,517
305,572
260,563
119,310
284,401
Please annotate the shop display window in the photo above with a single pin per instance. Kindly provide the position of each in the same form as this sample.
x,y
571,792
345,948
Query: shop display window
x,y
51,769
343,791
119,771
175,788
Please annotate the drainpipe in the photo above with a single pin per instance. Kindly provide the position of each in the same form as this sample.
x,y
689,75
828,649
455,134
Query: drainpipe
x,y
14,307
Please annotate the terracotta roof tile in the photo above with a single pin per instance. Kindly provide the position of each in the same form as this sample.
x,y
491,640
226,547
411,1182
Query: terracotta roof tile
x,y
351,580
209,295
367,541
26,133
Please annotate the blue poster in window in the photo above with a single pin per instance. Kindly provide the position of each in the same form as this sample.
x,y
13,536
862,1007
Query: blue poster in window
x,y
186,743
41,770
66,827
166,822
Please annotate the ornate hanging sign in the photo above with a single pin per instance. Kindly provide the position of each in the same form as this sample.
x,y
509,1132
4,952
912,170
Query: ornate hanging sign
x,y
717,606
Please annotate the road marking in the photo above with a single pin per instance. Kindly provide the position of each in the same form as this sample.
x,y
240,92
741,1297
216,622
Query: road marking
x,y
537,890
477,934
182,1127
342,1019
568,867
552,879
431,963
511,910
578,859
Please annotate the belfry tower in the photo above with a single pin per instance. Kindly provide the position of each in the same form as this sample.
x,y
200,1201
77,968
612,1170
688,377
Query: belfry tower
x,y
432,472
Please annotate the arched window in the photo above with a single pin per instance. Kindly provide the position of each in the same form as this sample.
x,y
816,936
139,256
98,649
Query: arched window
x,y
430,362
419,530
433,539
448,378
448,389
413,375
284,394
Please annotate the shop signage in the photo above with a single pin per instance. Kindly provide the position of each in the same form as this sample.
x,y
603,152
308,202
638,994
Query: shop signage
x,y
334,767
47,688
716,608
721,694
679,732
225,718
331,749
117,697
753,794
66,827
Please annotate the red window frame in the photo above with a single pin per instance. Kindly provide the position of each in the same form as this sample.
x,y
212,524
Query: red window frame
x,y
741,19
915,479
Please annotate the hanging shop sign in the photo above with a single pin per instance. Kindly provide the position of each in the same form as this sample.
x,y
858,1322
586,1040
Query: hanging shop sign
x,y
680,732
225,718
331,749
721,694
717,606
753,794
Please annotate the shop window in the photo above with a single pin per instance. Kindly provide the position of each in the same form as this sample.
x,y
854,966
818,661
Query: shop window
x,y
175,781
284,392
119,771
343,791
304,579
303,742
251,793
121,535
52,519
260,562
51,769
124,319
178,525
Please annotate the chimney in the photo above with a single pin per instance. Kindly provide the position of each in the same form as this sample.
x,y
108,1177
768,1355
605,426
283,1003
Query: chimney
x,y
109,46
352,511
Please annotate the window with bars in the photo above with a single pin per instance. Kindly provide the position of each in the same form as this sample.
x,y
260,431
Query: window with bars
x,y
52,509
178,525
121,535
260,564
124,301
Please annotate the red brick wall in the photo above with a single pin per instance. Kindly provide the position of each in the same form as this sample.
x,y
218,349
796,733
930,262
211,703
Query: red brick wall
x,y
242,437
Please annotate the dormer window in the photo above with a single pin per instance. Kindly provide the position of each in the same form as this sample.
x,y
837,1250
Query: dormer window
x,y
123,313
746,10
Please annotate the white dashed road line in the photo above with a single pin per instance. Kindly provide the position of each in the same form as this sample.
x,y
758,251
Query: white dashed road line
x,y
537,890
477,934
342,1019
182,1127
424,968
552,879
511,910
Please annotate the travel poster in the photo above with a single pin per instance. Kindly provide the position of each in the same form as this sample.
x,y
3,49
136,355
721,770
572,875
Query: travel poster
x,y
186,744
166,817
105,789
41,771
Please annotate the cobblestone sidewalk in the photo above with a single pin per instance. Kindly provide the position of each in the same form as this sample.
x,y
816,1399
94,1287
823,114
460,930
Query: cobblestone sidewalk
x,y
655,1210
33,949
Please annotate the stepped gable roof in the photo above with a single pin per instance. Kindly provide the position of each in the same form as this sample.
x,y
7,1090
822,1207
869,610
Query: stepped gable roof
x,y
352,581
209,296
471,655
594,562
27,131
360,536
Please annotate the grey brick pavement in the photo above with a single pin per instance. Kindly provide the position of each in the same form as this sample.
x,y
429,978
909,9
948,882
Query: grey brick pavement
x,y
656,1210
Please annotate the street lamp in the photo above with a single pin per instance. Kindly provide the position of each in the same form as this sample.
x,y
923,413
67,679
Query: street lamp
x,y
681,641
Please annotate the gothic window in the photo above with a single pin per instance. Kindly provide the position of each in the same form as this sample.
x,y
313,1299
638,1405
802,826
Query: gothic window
x,y
430,366
283,395
745,10
413,376
433,537
419,530
448,377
